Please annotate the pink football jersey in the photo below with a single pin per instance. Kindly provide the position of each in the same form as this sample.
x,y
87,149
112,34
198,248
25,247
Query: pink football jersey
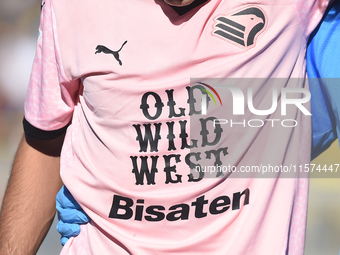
x,y
120,73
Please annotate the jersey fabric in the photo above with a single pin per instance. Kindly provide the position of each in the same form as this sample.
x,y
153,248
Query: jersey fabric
x,y
118,71
323,61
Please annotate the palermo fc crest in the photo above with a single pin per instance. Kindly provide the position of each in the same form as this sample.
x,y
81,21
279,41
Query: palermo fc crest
x,y
242,27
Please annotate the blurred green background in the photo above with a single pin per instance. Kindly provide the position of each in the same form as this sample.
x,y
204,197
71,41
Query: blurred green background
x,y
18,33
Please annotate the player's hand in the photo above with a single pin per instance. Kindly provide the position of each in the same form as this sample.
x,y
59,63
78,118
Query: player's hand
x,y
70,215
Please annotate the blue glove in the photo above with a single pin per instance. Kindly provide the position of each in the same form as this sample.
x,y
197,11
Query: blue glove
x,y
70,215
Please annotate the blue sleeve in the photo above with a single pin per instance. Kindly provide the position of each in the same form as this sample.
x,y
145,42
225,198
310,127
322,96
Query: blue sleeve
x,y
323,68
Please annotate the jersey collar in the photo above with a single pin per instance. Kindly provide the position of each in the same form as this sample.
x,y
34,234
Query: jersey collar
x,y
183,10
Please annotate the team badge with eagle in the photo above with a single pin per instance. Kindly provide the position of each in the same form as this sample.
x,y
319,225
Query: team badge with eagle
x,y
241,28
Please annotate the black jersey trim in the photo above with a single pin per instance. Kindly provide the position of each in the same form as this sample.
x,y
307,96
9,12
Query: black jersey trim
x,y
181,10
37,133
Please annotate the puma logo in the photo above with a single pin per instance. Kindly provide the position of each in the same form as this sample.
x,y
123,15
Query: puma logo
x,y
104,49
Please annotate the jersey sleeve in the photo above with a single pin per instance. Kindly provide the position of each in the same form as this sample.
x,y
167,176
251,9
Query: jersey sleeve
x,y
310,13
51,96
323,68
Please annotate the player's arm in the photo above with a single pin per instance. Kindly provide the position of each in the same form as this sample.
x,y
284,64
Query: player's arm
x,y
29,203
